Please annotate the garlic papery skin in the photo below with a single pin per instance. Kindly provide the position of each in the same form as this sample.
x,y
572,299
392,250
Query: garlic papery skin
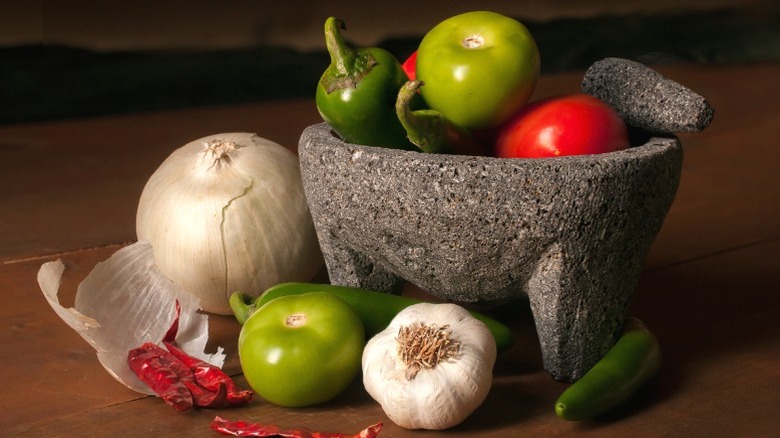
x,y
227,213
415,389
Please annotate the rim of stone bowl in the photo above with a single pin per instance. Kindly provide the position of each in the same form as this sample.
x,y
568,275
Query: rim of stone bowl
x,y
652,145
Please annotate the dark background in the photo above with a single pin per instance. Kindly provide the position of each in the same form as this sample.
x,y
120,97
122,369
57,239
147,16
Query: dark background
x,y
75,59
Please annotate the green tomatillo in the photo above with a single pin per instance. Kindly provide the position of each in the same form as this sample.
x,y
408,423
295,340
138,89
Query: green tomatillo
x,y
479,68
301,350
357,92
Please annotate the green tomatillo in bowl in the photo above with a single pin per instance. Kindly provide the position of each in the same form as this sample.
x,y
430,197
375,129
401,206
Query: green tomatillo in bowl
x,y
479,68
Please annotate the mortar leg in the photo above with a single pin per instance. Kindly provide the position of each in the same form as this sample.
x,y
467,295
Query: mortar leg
x,y
578,313
348,267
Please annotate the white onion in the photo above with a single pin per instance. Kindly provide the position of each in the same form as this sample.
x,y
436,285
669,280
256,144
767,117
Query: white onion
x,y
227,213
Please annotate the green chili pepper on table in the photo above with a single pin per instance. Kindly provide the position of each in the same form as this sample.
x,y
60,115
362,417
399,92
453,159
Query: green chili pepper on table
x,y
626,367
430,130
376,309
357,92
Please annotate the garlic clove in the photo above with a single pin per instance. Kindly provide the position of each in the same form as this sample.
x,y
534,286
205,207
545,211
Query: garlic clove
x,y
124,302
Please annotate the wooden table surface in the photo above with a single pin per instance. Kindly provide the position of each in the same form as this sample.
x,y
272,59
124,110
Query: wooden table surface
x,y
710,290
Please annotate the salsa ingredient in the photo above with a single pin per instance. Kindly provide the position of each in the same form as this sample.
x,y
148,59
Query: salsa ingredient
x,y
572,124
410,65
375,309
479,68
181,380
157,367
245,428
301,350
129,297
429,129
227,212
356,94
431,367
213,379
627,366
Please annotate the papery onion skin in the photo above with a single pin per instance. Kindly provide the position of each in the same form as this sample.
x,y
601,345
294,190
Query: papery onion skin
x,y
222,220
125,302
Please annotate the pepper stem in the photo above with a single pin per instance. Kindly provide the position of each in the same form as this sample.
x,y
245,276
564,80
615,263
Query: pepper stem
x,y
242,305
342,56
429,129
423,127
425,346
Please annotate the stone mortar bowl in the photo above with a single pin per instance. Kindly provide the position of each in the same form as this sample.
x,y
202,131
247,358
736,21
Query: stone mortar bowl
x,y
570,233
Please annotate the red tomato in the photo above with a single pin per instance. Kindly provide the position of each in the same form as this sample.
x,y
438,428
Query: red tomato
x,y
410,65
572,124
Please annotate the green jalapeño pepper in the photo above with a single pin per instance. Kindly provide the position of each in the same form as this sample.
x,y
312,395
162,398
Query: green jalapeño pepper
x,y
627,366
376,309
357,92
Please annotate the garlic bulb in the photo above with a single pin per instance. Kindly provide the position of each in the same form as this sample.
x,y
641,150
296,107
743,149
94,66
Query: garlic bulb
x,y
431,367
227,213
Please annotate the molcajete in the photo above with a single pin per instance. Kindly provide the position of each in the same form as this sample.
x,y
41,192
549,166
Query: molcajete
x,y
571,233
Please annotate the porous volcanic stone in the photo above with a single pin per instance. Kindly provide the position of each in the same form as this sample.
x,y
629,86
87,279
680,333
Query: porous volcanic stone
x,y
571,233
646,99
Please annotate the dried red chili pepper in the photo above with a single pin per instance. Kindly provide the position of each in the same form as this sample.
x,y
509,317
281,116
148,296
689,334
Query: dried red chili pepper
x,y
152,364
181,380
212,378
245,428
173,330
